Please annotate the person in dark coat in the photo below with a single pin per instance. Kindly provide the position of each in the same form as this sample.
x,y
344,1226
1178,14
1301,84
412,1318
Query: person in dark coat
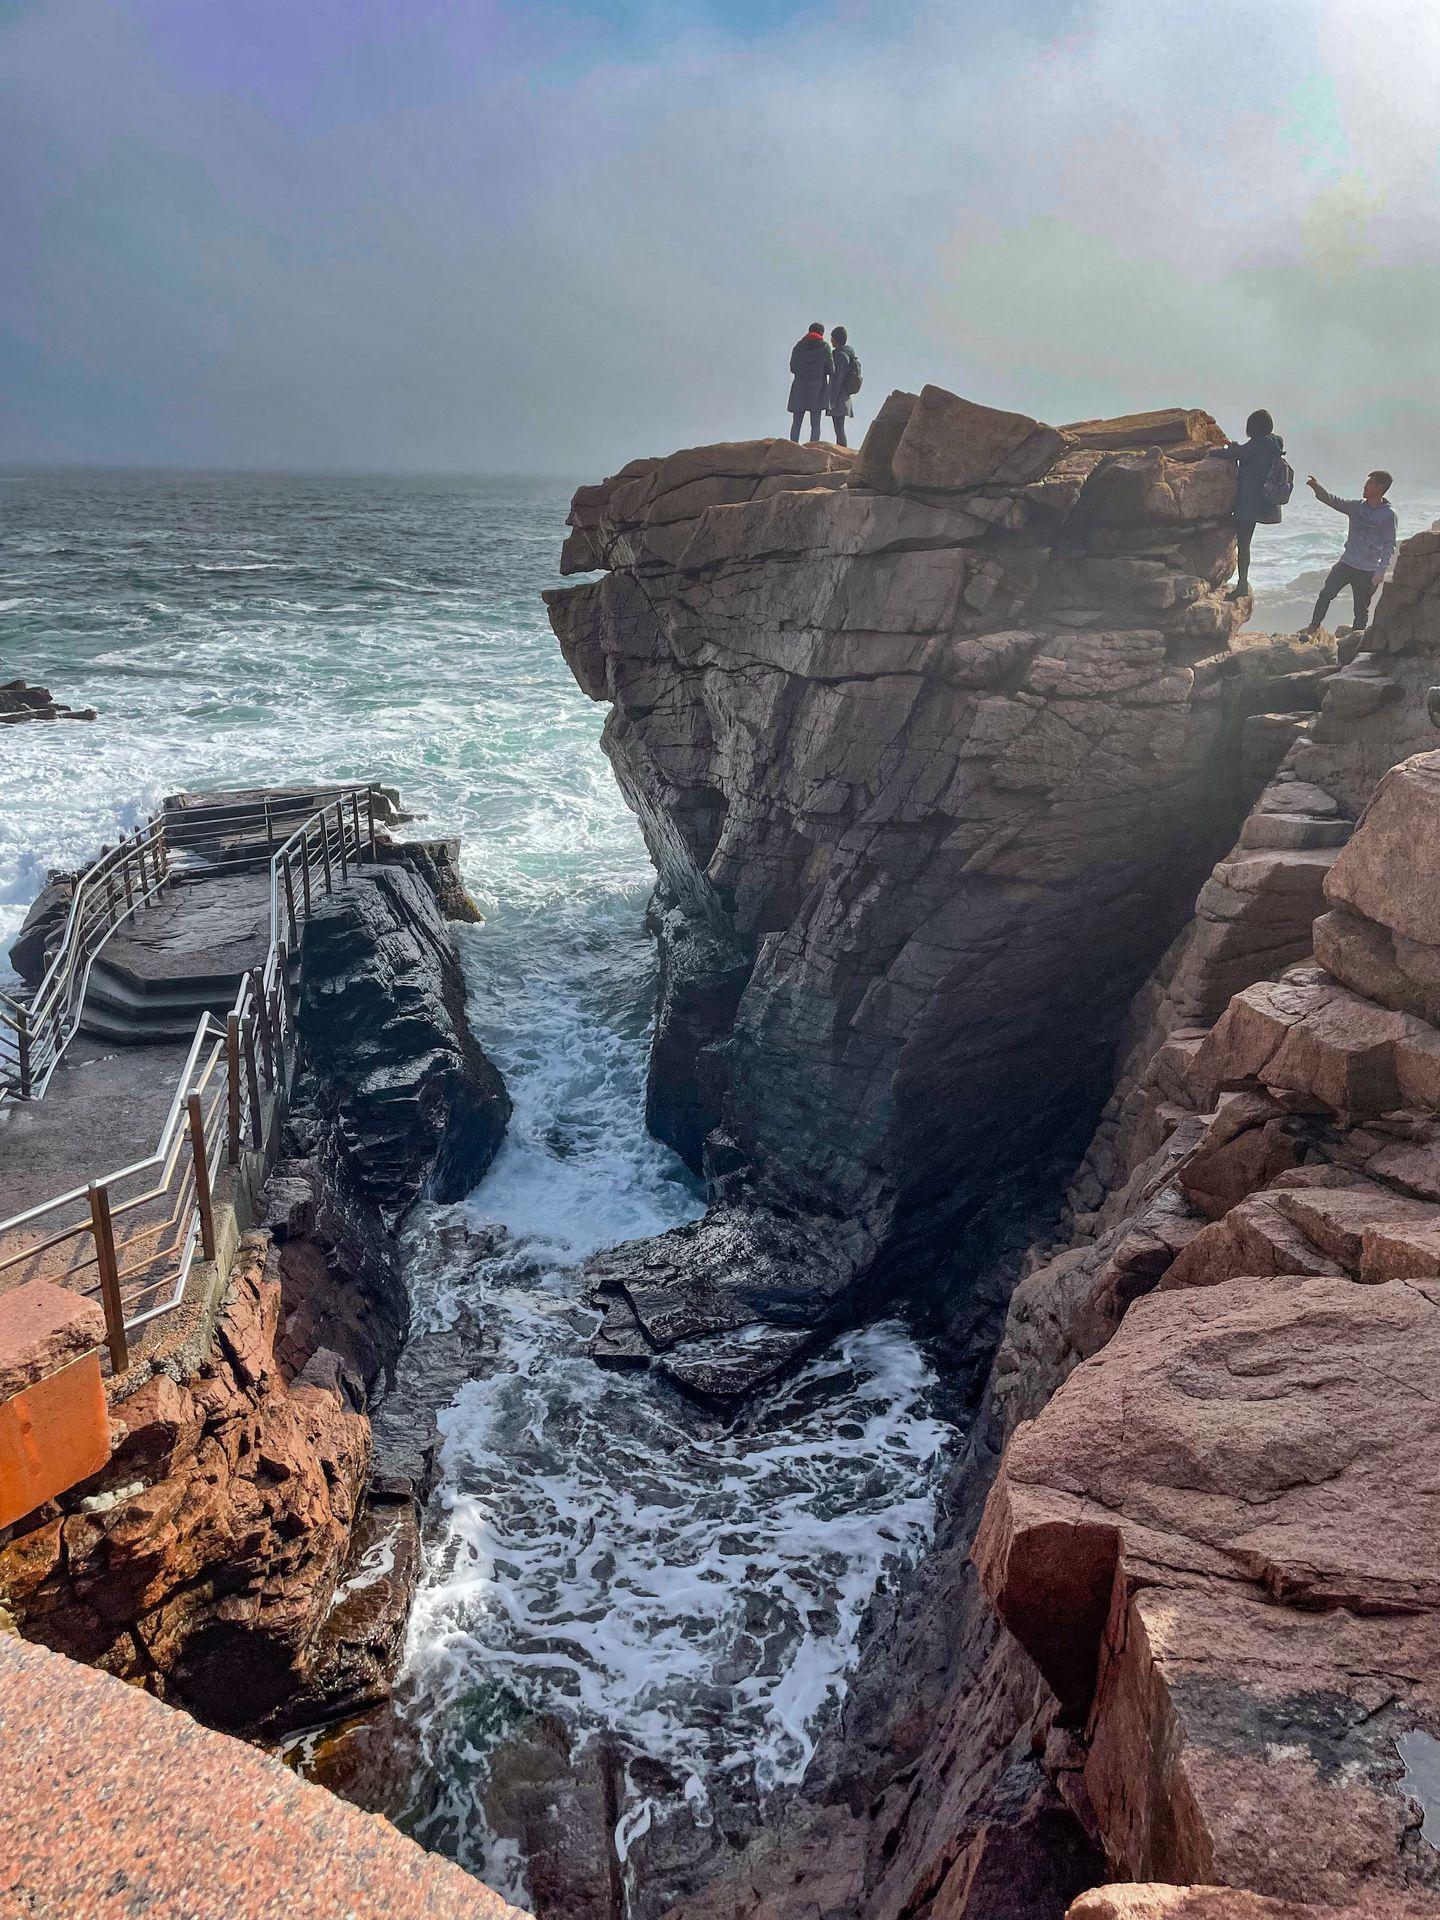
x,y
847,361
811,366
1254,457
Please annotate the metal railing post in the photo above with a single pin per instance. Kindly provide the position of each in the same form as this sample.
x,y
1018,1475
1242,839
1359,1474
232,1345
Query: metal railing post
x,y
232,1088
110,902
355,821
103,1228
140,856
202,1175
325,852
125,873
289,895
340,836
370,817
282,987
22,1041
252,1083
262,1023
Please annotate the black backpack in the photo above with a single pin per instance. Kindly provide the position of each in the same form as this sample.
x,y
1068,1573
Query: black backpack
x,y
853,379
1279,482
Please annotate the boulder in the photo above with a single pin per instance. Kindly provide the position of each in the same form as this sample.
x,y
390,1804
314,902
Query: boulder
x,y
949,444
1218,1543
1390,871
1166,427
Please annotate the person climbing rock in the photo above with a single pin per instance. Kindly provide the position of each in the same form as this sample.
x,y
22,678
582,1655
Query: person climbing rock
x,y
1263,485
1369,549
811,365
844,382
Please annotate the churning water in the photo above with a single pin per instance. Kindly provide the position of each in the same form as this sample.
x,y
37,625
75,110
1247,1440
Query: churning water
x,y
598,1550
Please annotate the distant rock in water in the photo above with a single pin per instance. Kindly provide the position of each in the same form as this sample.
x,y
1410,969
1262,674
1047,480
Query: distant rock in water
x,y
932,744
19,702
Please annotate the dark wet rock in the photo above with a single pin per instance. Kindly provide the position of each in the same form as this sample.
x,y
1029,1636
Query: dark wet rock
x,y
41,929
407,1097
720,1305
437,862
19,702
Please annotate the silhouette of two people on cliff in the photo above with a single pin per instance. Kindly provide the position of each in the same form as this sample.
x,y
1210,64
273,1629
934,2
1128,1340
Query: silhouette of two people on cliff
x,y
1264,481
823,379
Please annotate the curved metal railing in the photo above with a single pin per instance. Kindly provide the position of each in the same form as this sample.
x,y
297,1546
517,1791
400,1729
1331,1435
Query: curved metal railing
x,y
131,1236
34,1033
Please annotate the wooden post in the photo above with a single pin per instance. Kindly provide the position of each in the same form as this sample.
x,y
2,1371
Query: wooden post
x,y
125,871
325,853
282,991
269,828
355,821
305,875
140,856
370,817
22,1041
232,1079
252,1084
109,898
262,1023
202,1175
340,836
289,896
104,1230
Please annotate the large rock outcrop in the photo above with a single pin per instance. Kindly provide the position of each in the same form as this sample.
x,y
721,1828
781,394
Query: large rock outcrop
x,y
931,745
952,1749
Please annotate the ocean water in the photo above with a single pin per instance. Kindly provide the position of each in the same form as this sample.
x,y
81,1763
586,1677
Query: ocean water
x,y
597,1551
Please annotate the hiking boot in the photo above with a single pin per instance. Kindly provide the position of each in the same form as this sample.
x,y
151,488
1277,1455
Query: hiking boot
x,y
1240,592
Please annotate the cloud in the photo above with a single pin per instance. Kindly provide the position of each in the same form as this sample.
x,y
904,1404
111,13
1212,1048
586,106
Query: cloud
x,y
498,238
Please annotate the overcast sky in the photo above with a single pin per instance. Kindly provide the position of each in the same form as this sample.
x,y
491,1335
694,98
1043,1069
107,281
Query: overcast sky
x,y
545,237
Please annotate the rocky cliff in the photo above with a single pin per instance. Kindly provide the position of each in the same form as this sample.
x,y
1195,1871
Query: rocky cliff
x,y
931,746
1198,1653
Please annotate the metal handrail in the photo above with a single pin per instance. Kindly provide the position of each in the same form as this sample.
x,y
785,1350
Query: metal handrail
x,y
221,1114
106,895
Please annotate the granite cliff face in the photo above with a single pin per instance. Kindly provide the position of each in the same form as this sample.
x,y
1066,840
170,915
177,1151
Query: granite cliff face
x,y
1211,1539
905,893
931,745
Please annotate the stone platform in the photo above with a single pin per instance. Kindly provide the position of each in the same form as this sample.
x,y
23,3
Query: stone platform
x,y
116,1806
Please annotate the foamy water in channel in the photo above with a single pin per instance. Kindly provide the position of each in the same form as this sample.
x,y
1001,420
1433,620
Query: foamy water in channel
x,y
598,1550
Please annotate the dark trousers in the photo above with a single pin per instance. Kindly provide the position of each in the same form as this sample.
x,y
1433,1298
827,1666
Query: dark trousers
x,y
796,418
1360,583
1244,534
839,420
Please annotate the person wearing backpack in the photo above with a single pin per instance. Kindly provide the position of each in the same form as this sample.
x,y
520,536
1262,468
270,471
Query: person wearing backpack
x,y
1264,481
811,366
844,382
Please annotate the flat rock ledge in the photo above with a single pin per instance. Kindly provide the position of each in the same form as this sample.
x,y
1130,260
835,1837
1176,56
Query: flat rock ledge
x,y
123,1807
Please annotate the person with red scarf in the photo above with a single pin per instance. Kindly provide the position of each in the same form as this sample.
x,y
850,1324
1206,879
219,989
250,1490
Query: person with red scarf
x,y
811,365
